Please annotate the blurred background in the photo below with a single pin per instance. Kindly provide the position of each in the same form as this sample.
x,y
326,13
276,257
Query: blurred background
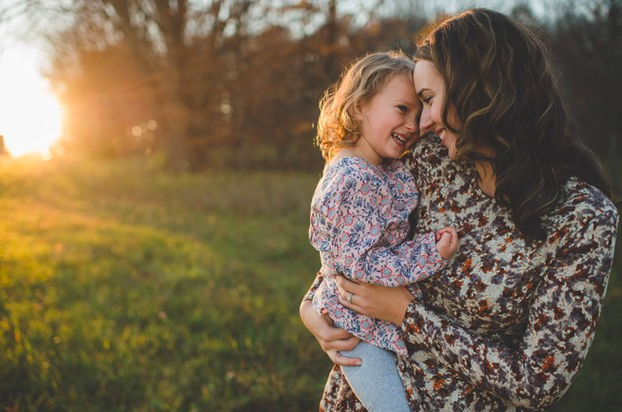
x,y
156,169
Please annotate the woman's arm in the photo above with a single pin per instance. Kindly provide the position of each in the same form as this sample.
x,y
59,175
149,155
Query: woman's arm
x,y
560,328
331,339
561,325
380,302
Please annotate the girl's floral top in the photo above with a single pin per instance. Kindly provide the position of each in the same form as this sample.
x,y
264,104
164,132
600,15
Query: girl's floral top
x,y
359,224
507,324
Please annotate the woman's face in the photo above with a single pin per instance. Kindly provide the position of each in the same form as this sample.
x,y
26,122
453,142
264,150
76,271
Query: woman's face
x,y
430,89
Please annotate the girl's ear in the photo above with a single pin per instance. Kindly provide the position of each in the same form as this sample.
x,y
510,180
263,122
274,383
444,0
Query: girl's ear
x,y
356,112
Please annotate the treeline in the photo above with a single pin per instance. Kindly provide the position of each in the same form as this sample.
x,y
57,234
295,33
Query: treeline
x,y
236,83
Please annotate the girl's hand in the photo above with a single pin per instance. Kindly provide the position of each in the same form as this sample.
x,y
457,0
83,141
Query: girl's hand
x,y
330,338
447,242
375,301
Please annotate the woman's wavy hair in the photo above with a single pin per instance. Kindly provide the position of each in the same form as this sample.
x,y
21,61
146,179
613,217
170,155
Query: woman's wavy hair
x,y
337,126
499,78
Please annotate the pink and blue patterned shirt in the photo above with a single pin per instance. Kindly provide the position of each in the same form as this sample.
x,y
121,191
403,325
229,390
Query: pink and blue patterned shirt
x,y
360,224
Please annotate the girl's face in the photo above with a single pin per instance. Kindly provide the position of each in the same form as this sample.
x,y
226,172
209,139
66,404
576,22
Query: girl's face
x,y
389,121
431,90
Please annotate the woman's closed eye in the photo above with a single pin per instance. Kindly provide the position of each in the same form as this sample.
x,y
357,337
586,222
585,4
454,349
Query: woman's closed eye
x,y
426,99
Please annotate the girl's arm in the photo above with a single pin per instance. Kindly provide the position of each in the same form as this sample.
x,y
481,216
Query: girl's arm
x,y
393,266
351,226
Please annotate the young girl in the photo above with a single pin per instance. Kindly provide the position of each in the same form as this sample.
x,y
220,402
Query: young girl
x,y
360,211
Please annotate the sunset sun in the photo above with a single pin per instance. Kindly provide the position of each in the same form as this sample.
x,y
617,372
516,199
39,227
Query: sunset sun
x,y
30,115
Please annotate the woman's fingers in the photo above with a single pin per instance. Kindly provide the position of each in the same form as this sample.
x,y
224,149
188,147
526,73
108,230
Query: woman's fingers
x,y
351,294
346,286
376,301
349,303
357,301
331,333
320,326
328,336
339,359
331,339
343,344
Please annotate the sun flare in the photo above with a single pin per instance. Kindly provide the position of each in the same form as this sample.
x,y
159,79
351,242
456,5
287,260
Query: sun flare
x,y
30,115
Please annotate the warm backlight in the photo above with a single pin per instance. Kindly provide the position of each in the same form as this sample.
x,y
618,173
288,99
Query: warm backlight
x,y
30,115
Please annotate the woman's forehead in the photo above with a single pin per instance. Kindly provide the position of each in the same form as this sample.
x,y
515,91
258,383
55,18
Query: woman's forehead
x,y
427,77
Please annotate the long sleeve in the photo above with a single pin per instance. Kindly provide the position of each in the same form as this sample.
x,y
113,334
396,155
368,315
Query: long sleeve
x,y
357,224
393,266
563,315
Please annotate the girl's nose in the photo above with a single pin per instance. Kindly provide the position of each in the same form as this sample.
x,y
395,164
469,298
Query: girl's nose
x,y
412,125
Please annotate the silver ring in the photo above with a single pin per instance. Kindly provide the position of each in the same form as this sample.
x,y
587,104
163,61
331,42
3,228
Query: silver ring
x,y
350,297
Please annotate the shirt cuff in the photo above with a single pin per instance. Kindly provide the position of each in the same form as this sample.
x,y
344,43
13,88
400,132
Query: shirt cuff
x,y
316,284
414,325
435,258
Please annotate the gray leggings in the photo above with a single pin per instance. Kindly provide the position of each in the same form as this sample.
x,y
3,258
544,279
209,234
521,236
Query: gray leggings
x,y
376,382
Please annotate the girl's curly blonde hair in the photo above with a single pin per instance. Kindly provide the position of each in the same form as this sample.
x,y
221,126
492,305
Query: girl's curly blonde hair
x,y
337,126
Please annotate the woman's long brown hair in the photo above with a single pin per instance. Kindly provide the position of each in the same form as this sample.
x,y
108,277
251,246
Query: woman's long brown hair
x,y
499,78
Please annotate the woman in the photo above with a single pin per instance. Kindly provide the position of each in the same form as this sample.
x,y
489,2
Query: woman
x,y
507,324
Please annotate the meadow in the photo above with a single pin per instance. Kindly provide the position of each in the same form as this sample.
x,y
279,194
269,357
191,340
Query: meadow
x,y
124,288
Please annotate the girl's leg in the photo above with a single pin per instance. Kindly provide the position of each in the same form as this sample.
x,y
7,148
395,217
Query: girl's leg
x,y
376,382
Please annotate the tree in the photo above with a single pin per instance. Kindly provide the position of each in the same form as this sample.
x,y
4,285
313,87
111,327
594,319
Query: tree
x,y
162,39
587,40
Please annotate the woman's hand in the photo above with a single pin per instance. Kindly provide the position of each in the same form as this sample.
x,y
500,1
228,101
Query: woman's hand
x,y
330,338
375,301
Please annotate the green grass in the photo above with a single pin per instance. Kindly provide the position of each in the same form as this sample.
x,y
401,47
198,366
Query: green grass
x,y
123,288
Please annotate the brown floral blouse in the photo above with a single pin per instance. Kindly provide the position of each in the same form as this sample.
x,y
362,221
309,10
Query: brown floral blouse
x,y
507,324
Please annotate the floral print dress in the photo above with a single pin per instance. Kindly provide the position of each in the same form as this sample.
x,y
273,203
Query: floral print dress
x,y
507,324
360,224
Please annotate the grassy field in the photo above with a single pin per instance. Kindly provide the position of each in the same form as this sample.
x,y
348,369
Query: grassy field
x,y
126,289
